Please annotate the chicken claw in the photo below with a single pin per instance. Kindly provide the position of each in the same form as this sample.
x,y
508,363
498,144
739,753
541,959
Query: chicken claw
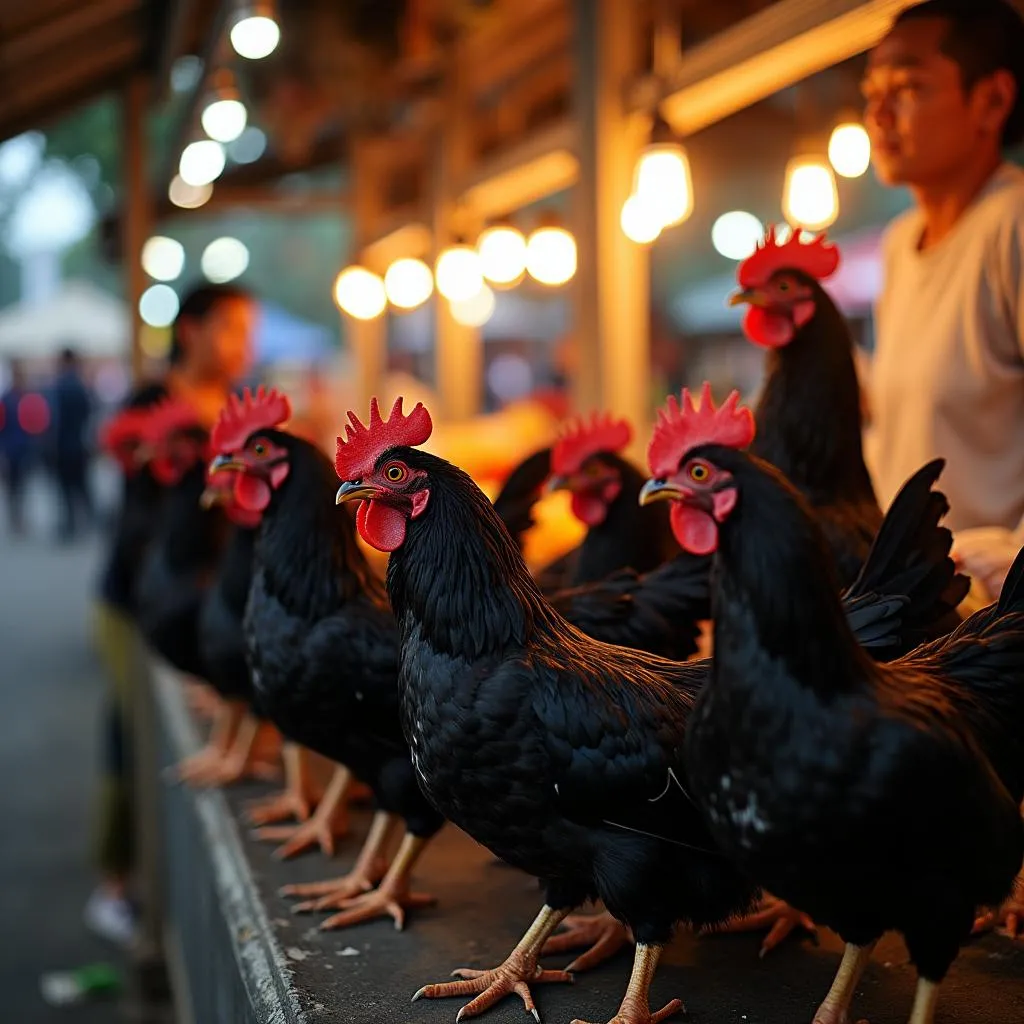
x,y
386,901
1008,920
279,807
635,1008
335,892
774,914
491,986
330,821
601,934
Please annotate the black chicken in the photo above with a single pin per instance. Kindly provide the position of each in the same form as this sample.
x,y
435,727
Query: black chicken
x,y
228,755
323,646
181,561
809,420
907,816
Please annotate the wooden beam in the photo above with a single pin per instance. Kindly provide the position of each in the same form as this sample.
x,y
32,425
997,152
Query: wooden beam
x,y
178,14
541,165
72,25
780,45
411,236
612,285
135,206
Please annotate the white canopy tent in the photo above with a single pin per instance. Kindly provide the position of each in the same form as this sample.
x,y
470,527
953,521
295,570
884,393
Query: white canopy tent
x,y
78,316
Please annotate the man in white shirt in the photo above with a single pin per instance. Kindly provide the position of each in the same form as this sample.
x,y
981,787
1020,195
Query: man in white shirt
x,y
942,94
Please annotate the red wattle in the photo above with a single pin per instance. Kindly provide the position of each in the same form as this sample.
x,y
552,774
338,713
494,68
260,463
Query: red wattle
x,y
695,530
380,525
588,508
769,330
251,493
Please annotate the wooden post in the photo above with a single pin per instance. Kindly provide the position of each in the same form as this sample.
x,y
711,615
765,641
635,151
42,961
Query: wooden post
x,y
458,350
135,221
612,286
369,338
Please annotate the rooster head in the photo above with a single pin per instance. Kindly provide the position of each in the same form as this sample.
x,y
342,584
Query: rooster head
x,y
173,440
220,493
121,437
374,471
250,452
584,462
702,494
780,284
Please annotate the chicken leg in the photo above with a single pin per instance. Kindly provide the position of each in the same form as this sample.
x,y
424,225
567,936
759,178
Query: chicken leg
x,y
329,821
773,914
636,1008
200,768
600,934
836,1007
1009,918
513,976
294,801
925,1000
370,868
240,761
392,897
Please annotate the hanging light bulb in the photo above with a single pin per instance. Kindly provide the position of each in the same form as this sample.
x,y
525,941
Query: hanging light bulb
x,y
408,283
224,117
551,254
849,149
662,177
255,32
201,162
360,293
502,250
476,310
810,198
458,272
641,220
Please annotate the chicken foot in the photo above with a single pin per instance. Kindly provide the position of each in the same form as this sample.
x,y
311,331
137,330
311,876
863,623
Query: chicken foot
x,y
636,1007
514,976
226,756
836,1007
392,897
370,867
600,934
297,798
329,821
773,914
1009,918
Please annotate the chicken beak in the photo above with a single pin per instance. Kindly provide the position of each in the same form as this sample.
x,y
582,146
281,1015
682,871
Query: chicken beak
x,y
748,297
354,490
226,463
556,483
661,490
211,497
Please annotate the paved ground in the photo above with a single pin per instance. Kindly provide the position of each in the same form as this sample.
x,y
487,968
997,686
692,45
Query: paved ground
x,y
50,695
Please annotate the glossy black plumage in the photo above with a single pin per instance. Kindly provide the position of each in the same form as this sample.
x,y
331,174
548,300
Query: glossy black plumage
x,y
322,642
872,796
561,754
521,491
221,634
178,570
809,426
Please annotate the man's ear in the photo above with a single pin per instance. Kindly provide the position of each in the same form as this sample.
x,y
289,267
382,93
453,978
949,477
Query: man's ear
x,y
997,94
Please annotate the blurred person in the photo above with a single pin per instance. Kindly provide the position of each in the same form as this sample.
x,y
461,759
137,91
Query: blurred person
x,y
15,448
942,93
210,351
71,409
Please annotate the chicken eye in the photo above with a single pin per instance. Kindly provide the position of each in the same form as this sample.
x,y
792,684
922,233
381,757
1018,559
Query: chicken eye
x,y
783,286
259,449
699,473
394,473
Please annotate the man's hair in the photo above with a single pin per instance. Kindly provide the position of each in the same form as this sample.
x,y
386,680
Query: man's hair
x,y
197,304
984,36
68,357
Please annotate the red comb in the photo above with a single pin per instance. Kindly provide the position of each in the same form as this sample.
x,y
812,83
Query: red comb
x,y
818,258
682,426
126,427
167,416
583,438
361,446
242,417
